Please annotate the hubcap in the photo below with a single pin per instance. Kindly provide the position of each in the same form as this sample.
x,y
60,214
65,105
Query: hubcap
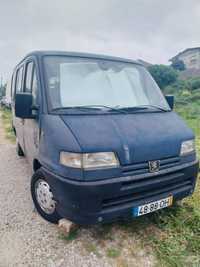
x,y
44,196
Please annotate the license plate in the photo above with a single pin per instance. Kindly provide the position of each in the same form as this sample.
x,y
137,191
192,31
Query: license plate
x,y
153,206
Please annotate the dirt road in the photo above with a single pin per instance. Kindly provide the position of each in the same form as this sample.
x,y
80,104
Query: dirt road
x,y
27,240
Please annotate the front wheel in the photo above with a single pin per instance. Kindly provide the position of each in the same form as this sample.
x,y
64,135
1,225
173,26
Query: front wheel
x,y
43,197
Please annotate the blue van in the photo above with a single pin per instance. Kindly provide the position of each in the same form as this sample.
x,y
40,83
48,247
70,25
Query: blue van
x,y
102,140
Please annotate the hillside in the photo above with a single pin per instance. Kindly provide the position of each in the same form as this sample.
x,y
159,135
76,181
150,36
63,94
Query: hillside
x,y
189,73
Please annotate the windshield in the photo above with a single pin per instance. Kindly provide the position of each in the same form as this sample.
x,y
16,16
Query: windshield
x,y
78,82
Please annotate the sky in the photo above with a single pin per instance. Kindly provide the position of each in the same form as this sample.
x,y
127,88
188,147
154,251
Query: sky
x,y
152,30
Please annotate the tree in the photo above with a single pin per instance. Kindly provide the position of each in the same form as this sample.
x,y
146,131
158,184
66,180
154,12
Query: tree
x,y
163,75
178,65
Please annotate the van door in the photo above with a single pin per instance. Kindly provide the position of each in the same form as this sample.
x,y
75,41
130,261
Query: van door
x,y
18,122
31,126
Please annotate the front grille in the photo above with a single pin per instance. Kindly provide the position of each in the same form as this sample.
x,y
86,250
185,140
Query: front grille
x,y
143,167
143,189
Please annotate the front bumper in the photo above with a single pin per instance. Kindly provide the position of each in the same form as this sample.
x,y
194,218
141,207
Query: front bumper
x,y
113,199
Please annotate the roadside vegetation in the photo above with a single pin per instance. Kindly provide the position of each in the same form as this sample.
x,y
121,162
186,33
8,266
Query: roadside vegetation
x,y
7,123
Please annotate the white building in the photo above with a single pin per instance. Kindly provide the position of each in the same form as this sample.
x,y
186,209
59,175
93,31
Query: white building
x,y
190,57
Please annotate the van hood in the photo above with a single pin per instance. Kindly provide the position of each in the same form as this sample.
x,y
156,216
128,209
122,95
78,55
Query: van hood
x,y
134,137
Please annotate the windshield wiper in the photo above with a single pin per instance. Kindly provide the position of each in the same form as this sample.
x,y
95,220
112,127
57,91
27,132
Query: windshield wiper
x,y
143,107
118,109
91,107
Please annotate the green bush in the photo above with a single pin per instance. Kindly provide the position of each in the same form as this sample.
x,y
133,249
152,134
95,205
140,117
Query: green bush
x,y
194,83
163,75
182,85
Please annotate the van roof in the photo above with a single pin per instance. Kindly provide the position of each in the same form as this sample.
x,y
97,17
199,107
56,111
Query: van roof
x,y
78,54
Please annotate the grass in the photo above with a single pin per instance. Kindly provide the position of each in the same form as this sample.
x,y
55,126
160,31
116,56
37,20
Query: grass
x,y
92,248
70,237
113,253
7,123
177,242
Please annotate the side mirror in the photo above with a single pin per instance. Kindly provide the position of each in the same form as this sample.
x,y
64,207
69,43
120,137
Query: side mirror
x,y
170,100
23,106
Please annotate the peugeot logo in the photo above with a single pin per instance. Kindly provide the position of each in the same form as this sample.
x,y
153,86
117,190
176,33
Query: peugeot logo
x,y
154,166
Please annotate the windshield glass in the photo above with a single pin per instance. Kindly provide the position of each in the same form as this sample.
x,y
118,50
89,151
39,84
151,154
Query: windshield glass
x,y
74,81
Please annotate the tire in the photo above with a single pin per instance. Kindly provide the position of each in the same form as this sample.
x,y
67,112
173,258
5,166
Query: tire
x,y
43,198
20,152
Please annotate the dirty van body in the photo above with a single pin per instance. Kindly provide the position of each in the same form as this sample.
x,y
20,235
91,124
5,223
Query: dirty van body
x,y
103,142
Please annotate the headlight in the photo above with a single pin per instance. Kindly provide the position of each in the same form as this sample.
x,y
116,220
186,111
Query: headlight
x,y
71,159
187,147
89,160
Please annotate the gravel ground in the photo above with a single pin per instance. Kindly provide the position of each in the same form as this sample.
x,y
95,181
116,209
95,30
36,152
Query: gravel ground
x,y
27,240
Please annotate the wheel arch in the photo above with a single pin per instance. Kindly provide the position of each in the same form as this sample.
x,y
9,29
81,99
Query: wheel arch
x,y
36,165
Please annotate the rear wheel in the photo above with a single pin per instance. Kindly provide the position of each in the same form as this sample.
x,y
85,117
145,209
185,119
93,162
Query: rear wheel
x,y
43,197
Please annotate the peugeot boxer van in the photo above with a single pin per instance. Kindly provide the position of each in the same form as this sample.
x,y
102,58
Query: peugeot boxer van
x,y
102,140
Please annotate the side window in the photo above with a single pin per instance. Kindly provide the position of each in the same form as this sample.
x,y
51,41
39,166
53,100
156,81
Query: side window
x,y
19,81
31,85
28,79
35,91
